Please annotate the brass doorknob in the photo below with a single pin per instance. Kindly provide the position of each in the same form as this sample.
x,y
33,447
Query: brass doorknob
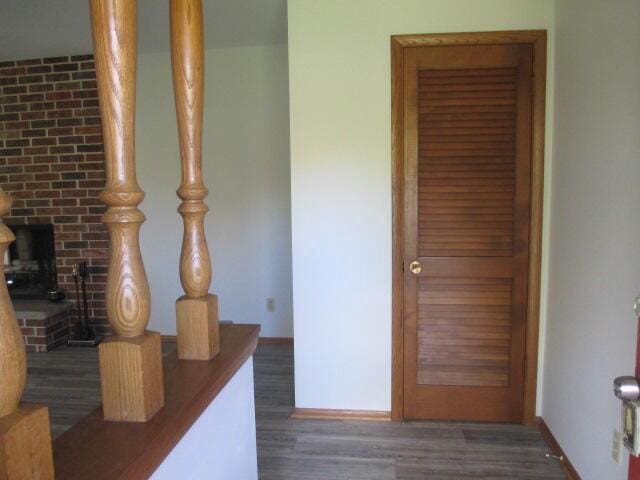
x,y
415,267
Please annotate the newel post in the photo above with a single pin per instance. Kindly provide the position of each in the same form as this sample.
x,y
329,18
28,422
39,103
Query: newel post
x,y
197,310
25,437
131,360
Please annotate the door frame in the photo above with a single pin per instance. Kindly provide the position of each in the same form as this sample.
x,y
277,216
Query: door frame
x,y
538,40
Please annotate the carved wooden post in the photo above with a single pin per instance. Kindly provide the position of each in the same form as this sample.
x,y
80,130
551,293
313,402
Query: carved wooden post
x,y
25,437
197,311
131,361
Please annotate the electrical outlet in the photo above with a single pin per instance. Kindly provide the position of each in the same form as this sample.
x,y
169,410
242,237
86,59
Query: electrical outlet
x,y
616,447
271,304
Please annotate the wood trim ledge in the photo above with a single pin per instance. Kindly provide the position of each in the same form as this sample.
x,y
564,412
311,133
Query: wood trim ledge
x,y
111,451
556,449
288,341
332,414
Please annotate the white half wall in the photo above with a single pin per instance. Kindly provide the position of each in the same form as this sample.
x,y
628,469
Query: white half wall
x,y
340,96
594,265
221,444
246,168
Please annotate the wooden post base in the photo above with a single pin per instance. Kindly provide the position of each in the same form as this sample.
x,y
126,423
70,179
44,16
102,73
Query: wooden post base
x,y
198,331
25,444
131,377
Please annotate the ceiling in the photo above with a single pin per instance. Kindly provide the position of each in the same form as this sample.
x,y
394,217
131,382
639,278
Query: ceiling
x,y
47,28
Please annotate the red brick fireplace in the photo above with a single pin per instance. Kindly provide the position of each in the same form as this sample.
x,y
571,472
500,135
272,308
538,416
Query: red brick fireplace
x,y
51,163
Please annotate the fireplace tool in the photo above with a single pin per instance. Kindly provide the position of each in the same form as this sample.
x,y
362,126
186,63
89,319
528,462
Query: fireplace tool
x,y
84,335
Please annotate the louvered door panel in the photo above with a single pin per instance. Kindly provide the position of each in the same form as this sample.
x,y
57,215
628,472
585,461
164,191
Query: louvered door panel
x,y
464,332
467,113
466,170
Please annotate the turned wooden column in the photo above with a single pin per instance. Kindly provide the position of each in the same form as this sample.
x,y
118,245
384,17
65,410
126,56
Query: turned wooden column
x,y
130,361
25,437
197,310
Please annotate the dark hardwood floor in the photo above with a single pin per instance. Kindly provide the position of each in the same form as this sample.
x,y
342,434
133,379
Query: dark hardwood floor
x,y
67,381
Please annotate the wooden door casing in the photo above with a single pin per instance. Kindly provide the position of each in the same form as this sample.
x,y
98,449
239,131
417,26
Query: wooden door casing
x,y
467,161
399,44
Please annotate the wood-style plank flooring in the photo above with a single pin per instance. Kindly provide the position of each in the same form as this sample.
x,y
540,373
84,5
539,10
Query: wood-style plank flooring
x,y
67,381
352,450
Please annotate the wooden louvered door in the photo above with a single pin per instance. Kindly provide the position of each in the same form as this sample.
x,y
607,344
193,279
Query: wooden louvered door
x,y
467,150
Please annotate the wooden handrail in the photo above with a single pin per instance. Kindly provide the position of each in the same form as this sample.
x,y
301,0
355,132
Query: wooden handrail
x,y
19,424
130,362
197,311
102,450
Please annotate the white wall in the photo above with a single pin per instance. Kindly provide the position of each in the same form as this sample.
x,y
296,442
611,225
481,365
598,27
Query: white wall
x,y
246,167
339,63
594,266
221,444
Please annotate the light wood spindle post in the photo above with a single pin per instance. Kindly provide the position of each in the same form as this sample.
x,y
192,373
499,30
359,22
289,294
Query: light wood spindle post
x,y
25,437
197,310
131,361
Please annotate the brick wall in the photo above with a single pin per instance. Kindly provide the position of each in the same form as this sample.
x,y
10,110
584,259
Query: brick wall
x,y
52,164
42,332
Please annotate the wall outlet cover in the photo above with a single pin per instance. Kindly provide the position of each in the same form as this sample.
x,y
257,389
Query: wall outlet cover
x,y
271,304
